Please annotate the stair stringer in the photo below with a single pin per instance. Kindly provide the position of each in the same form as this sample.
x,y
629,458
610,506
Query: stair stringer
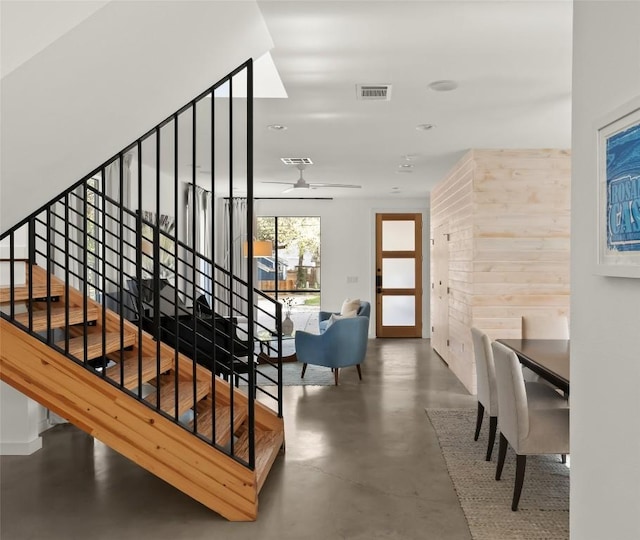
x,y
129,427
265,418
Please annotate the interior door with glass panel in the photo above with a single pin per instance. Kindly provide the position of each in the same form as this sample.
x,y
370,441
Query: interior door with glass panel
x,y
398,275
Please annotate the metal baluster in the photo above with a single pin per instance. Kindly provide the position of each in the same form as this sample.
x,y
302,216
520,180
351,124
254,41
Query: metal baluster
x,y
231,261
66,273
250,295
156,275
176,329
85,276
194,258
12,276
139,261
121,263
32,261
49,270
212,270
103,227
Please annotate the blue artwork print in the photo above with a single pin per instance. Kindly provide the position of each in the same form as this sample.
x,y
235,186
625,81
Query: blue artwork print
x,y
623,190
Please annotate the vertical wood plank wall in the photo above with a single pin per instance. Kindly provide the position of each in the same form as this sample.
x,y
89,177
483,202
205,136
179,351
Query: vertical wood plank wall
x,y
509,248
452,207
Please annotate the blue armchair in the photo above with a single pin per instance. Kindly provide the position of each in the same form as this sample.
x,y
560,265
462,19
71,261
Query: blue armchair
x,y
343,344
363,311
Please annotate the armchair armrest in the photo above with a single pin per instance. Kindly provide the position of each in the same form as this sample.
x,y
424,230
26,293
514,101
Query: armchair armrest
x,y
309,349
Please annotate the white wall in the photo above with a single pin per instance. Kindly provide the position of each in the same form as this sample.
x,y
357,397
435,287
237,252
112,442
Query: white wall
x,y
348,231
106,82
21,421
27,27
605,311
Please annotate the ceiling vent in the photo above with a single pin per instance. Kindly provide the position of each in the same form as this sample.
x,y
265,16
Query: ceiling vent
x,y
373,92
296,160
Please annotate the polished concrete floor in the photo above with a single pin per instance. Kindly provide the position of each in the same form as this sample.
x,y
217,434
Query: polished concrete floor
x,y
362,462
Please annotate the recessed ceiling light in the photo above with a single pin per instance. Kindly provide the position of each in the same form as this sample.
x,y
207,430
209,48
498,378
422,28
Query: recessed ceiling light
x,y
424,127
410,157
443,86
276,127
406,166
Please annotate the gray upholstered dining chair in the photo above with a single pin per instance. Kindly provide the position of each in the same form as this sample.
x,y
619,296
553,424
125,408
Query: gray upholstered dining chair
x,y
529,430
545,327
539,394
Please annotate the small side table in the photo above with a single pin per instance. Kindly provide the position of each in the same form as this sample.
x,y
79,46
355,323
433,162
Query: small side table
x,y
268,344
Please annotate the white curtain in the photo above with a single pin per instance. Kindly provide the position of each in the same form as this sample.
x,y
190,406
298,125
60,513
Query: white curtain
x,y
235,235
202,208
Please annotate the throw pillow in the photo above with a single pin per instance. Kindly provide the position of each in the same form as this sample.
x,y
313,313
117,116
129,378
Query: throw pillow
x,y
333,319
350,307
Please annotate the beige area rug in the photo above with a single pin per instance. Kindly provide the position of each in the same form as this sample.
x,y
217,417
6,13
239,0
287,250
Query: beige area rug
x,y
543,512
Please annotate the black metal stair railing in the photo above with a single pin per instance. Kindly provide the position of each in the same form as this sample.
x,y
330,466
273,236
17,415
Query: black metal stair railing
x,y
99,243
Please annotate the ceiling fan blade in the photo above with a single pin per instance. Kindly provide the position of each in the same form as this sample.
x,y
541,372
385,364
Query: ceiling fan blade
x,y
314,184
288,190
285,183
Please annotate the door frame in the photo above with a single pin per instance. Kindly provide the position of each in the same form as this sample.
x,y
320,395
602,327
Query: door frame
x,y
418,254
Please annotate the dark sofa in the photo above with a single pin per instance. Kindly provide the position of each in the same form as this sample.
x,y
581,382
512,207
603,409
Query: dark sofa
x,y
212,342
207,337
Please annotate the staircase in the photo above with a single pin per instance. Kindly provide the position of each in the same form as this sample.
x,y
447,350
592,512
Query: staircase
x,y
69,340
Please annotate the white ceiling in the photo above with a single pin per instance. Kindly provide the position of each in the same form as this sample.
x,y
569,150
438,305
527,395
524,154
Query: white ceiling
x,y
511,59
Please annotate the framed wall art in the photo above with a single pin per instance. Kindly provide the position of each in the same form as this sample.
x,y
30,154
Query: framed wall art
x,y
619,192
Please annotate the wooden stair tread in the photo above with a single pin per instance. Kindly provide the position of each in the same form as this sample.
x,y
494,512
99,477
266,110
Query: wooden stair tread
x,y
39,290
267,446
94,344
58,317
185,395
130,365
222,421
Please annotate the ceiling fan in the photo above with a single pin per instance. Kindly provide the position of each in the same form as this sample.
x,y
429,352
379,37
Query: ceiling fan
x,y
301,183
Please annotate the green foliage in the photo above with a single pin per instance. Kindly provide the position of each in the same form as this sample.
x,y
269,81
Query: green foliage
x,y
303,233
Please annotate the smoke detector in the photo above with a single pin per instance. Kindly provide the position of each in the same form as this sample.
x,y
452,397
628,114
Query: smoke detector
x,y
443,86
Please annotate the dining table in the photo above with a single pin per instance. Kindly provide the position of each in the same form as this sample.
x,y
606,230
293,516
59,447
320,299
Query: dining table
x,y
549,358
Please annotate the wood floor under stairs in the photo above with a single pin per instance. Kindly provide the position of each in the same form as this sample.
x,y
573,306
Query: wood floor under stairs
x,y
94,400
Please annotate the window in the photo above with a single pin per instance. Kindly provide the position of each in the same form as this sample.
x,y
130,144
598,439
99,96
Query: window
x,y
292,273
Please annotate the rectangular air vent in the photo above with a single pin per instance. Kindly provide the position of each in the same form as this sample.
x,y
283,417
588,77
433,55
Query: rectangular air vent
x,y
378,92
296,160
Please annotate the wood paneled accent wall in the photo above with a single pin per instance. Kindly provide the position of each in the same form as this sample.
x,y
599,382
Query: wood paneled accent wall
x,y
505,216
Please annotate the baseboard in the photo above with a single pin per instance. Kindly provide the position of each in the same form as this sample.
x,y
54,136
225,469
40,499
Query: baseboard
x,y
20,448
44,425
